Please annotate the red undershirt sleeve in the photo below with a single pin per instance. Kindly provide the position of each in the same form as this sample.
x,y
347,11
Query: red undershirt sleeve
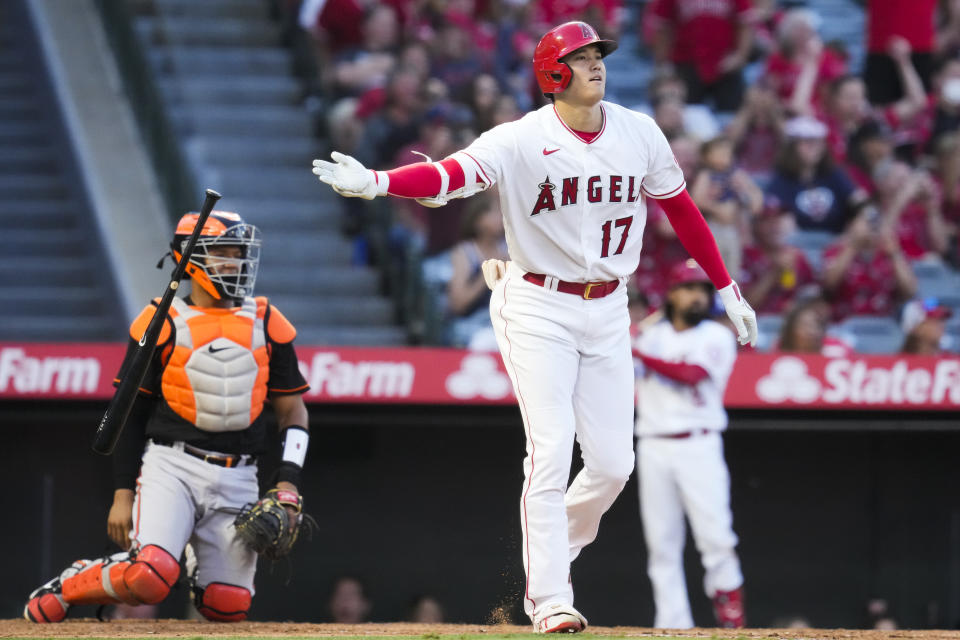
x,y
422,179
695,235
689,374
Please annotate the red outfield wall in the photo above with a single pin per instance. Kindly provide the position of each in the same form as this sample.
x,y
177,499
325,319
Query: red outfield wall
x,y
452,376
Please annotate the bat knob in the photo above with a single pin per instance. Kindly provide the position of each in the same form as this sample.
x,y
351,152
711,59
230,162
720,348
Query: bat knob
x,y
213,194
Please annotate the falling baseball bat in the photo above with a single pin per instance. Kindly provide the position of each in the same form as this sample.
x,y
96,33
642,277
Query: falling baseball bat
x,y
122,402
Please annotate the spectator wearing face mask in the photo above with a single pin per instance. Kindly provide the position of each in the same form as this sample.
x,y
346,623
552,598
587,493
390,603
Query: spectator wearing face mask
x,y
944,107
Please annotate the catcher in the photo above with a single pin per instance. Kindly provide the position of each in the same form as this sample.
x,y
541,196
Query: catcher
x,y
194,435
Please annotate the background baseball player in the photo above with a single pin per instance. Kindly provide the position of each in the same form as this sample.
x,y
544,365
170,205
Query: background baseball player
x,y
572,177
221,354
687,360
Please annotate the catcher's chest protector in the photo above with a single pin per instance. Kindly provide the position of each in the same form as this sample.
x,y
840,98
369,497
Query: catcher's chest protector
x,y
216,376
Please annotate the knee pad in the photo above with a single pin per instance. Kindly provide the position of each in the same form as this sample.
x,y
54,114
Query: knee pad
x,y
222,602
151,574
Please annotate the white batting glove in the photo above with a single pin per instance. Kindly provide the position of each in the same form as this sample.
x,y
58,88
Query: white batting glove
x,y
493,271
742,315
348,177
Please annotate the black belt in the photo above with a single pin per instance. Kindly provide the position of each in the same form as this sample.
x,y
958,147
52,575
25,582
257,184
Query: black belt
x,y
220,461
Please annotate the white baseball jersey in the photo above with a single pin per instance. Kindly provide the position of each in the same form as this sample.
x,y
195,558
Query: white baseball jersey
x,y
666,406
575,210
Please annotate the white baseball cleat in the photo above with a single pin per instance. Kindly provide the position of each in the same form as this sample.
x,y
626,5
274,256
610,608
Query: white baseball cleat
x,y
559,618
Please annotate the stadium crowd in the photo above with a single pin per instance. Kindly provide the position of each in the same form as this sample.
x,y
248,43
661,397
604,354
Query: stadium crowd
x,y
828,188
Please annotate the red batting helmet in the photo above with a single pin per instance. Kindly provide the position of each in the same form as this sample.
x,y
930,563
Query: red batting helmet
x,y
686,272
552,75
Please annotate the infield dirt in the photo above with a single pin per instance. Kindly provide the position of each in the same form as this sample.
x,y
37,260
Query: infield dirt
x,y
88,628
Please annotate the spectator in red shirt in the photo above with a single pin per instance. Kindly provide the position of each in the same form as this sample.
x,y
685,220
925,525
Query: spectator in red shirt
x,y
728,198
887,20
870,145
368,66
804,330
757,132
774,273
606,15
909,203
865,272
846,107
947,176
709,42
799,49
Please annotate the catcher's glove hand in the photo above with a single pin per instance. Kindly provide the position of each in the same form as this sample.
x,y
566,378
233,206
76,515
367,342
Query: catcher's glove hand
x,y
266,527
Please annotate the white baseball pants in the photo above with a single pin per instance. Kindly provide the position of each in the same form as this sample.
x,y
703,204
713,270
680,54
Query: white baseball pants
x,y
570,363
183,499
679,476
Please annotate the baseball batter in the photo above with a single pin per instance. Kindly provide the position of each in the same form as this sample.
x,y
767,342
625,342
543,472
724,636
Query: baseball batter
x,y
687,360
193,437
573,177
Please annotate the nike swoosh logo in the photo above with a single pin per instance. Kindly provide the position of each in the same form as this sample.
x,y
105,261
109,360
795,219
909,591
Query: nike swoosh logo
x,y
546,153
212,350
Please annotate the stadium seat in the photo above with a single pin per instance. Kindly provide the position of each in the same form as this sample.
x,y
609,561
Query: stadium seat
x,y
769,327
812,243
871,334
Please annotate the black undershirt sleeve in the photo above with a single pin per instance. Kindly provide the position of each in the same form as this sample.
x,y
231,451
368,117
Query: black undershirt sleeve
x,y
129,450
285,377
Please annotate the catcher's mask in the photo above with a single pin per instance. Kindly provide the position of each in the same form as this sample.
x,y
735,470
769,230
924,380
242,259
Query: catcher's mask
x,y
221,276
553,75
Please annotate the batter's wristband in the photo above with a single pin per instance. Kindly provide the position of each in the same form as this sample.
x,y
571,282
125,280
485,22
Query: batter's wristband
x,y
287,472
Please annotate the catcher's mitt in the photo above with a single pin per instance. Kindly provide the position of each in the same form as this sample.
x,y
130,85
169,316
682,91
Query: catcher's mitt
x,y
266,527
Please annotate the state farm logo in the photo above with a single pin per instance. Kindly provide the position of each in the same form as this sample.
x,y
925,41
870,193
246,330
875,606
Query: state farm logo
x,y
846,381
480,376
788,380
328,375
24,374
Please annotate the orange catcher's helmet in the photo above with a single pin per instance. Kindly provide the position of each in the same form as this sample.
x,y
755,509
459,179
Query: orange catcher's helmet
x,y
553,76
220,276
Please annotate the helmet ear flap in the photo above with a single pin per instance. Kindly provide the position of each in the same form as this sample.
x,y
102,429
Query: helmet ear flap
x,y
200,277
197,274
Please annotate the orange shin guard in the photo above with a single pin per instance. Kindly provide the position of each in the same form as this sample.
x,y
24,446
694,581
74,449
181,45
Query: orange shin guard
x,y
97,584
144,579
